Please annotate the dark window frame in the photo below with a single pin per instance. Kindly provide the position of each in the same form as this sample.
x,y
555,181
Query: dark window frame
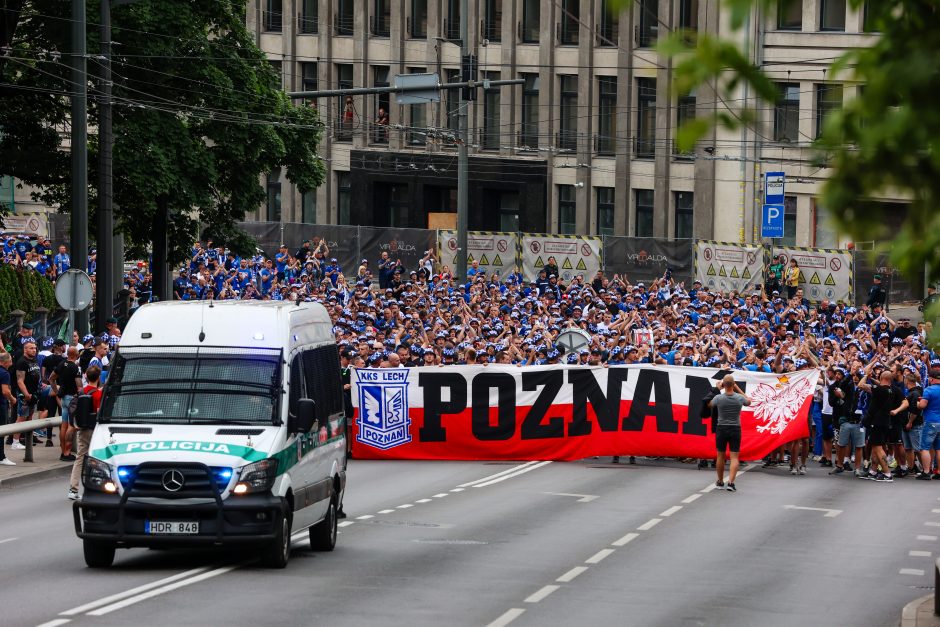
x,y
787,130
832,27
605,197
644,210
790,15
606,115
528,34
684,214
567,112
646,118
826,103
529,104
567,204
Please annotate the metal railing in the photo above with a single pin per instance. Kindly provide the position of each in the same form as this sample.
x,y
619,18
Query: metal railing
x,y
27,427
308,24
491,30
380,25
272,21
452,28
343,26
566,140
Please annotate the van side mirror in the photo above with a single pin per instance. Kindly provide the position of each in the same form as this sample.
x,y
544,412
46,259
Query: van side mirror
x,y
306,416
85,417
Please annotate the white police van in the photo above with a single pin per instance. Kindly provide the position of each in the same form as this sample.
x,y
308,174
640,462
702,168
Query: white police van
x,y
221,423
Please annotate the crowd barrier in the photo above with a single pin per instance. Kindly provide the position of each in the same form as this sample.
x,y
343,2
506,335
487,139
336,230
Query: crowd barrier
x,y
826,273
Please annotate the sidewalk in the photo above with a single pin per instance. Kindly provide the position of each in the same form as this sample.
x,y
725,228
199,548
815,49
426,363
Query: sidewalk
x,y
919,613
46,465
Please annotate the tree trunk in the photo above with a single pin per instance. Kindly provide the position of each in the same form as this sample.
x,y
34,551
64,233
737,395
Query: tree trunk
x,y
160,269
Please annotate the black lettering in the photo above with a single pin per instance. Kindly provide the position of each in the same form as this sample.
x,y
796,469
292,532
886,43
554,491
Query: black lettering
x,y
505,426
550,382
434,407
661,409
585,389
698,387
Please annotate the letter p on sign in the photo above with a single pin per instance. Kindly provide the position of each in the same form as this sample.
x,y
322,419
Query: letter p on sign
x,y
771,224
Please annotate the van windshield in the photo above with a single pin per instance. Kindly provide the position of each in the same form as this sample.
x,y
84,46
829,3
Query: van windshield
x,y
193,386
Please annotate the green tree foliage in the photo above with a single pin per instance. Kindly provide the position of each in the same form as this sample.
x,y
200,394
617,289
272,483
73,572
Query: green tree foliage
x,y
885,141
199,114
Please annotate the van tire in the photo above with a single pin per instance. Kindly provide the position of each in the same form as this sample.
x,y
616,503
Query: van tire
x,y
98,554
323,534
277,553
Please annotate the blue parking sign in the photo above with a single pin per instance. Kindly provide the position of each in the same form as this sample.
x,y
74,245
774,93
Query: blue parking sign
x,y
771,222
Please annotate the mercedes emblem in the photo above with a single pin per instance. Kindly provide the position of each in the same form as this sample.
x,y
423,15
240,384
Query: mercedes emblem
x,y
173,480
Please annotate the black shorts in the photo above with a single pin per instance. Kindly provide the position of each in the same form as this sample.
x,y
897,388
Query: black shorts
x,y
894,434
827,429
878,435
728,437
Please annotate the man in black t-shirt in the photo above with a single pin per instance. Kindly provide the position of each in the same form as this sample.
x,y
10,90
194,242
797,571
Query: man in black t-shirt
x,y
27,384
884,400
911,419
66,379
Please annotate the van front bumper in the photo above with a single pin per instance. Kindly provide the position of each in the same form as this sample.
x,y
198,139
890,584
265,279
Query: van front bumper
x,y
251,518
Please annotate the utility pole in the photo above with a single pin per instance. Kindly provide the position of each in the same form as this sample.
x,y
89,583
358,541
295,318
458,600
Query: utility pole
x,y
104,277
79,121
463,158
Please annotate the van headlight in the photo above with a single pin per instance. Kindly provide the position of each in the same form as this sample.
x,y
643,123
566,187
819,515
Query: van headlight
x,y
97,476
256,477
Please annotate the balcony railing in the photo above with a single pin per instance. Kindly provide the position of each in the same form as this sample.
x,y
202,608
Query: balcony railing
x,y
491,30
645,36
605,145
607,34
528,138
378,133
308,24
644,147
380,25
566,140
489,137
452,28
567,32
417,29
271,21
342,26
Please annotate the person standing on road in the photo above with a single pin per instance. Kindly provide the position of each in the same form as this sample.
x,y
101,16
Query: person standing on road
x,y
929,404
728,432
66,379
912,421
884,400
92,376
7,401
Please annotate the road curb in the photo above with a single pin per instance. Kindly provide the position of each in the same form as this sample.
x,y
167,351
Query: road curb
x,y
36,477
909,613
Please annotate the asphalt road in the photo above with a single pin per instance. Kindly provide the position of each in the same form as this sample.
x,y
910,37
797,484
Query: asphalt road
x,y
584,543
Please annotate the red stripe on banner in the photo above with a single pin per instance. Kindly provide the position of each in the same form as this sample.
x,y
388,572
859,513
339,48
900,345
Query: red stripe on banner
x,y
517,434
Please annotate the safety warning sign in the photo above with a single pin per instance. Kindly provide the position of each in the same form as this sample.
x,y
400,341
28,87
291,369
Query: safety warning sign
x,y
495,251
829,270
573,254
728,266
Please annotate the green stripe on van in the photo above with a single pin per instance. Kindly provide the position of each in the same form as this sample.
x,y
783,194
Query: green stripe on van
x,y
162,446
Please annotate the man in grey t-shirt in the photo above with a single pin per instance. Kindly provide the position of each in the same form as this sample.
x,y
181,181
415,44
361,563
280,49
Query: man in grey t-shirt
x,y
728,430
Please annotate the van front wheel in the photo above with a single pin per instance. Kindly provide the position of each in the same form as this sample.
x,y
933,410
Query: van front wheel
x,y
98,554
277,553
323,534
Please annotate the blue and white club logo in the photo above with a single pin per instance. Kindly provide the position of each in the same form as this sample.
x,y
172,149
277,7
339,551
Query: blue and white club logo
x,y
383,408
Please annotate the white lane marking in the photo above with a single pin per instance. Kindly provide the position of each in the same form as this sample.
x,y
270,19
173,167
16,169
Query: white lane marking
x,y
507,618
56,622
440,496
365,517
158,591
672,510
127,593
386,511
649,524
582,498
927,538
499,474
510,476
935,511
630,537
710,488
4,541
540,594
571,574
931,523
911,571
691,499
920,553
458,489
423,501
830,513
346,523
405,506
599,556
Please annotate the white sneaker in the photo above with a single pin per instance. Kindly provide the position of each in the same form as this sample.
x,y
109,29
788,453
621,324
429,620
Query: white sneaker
x,y
16,446
802,470
7,462
73,495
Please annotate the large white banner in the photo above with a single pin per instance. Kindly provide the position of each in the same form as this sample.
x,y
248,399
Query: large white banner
x,y
574,255
727,266
26,225
493,250
825,273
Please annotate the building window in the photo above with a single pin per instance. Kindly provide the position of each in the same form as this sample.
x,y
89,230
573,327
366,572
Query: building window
x,y
380,121
278,71
868,20
490,138
343,192
531,14
418,22
570,16
309,20
273,15
343,20
605,210
309,207
688,14
606,115
828,99
832,15
567,209
644,212
646,118
452,104
568,112
607,34
493,23
347,108
529,134
309,79
826,234
683,215
418,135
274,196
790,15
649,23
787,113
382,18
685,113
452,21
789,221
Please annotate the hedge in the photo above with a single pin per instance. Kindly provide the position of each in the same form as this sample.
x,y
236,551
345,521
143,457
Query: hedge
x,y
24,289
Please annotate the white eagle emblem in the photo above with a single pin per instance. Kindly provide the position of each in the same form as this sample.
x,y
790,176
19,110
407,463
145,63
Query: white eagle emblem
x,y
775,407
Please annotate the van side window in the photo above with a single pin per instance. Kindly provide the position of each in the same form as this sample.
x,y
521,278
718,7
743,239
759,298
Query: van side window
x,y
324,383
296,385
